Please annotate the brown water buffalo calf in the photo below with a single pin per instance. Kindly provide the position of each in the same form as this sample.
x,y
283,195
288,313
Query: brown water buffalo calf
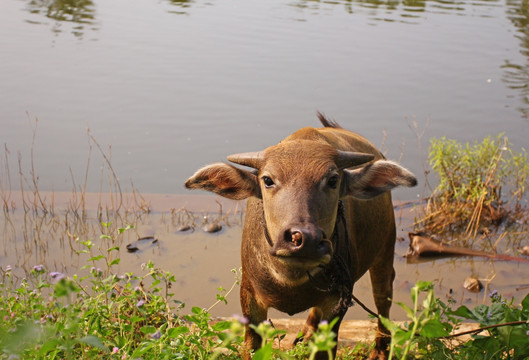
x,y
319,215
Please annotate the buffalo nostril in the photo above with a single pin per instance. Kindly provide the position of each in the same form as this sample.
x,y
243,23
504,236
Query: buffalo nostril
x,y
296,238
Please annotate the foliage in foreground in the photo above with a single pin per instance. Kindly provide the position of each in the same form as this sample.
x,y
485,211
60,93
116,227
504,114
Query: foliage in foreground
x,y
51,316
479,184
427,335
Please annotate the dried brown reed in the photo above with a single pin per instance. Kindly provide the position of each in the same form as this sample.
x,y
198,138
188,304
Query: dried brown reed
x,y
46,227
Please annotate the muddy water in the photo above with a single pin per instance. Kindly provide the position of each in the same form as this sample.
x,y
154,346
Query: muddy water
x,y
203,262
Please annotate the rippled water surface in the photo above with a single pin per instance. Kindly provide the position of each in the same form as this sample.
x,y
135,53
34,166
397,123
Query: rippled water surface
x,y
173,85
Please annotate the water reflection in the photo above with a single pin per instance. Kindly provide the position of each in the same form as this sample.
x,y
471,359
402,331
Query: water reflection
x,y
78,12
516,75
180,6
406,11
77,16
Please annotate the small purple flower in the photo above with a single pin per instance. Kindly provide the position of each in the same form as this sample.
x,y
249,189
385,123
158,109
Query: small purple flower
x,y
241,319
38,268
56,276
96,271
493,294
115,350
489,315
156,335
324,322
140,303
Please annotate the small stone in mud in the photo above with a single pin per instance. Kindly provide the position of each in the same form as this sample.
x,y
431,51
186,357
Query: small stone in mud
x,y
212,228
472,284
184,228
132,248
150,237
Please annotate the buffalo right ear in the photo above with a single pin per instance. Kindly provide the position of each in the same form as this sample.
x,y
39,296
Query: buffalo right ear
x,y
376,178
225,180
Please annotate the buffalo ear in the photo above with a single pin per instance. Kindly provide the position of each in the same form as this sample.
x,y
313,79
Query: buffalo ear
x,y
376,178
225,180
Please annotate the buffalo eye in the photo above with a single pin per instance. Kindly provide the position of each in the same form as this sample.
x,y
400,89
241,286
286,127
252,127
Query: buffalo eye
x,y
268,182
333,181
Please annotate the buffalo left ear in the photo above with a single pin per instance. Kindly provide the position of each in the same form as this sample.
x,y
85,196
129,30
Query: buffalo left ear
x,y
225,180
376,178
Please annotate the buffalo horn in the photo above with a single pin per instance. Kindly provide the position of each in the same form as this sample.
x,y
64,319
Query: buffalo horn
x,y
348,159
250,159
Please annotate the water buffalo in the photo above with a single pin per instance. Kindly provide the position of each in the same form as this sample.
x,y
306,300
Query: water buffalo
x,y
318,216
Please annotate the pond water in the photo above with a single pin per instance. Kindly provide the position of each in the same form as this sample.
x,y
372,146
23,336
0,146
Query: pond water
x,y
172,85
167,86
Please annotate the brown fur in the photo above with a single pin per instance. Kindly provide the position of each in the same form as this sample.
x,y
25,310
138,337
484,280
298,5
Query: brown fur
x,y
300,197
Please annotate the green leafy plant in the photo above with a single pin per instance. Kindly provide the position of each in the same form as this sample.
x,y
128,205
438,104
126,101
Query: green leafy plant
x,y
502,334
508,341
425,322
105,315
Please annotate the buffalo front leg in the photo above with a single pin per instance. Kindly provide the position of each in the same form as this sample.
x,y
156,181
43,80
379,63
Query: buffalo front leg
x,y
382,276
311,325
255,314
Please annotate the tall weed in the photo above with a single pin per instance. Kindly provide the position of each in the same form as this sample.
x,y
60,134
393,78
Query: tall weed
x,y
480,184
